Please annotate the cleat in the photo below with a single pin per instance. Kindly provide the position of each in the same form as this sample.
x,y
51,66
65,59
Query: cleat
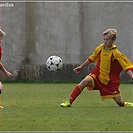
x,y
128,104
1,107
0,90
66,104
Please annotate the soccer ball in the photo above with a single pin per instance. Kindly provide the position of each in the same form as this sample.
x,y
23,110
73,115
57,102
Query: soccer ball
x,y
54,63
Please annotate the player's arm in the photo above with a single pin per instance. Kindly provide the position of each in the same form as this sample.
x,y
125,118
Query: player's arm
x,y
7,73
92,58
130,73
79,68
125,63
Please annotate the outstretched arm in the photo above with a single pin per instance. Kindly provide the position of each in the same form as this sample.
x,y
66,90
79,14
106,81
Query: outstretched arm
x,y
130,73
79,68
7,73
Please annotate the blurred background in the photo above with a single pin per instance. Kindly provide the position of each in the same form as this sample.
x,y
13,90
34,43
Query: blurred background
x,y
71,30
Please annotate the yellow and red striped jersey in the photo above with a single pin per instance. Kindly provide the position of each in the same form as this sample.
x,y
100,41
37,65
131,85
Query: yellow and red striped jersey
x,y
109,64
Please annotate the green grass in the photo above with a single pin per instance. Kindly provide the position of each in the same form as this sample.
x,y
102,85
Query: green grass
x,y
35,107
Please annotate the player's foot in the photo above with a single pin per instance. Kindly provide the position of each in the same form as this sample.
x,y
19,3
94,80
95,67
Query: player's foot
x,y
1,107
0,90
66,104
128,104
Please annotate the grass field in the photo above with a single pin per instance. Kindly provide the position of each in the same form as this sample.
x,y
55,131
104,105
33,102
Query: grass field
x,y
35,107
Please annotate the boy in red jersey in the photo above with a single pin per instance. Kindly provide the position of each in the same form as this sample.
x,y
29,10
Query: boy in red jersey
x,y
105,77
7,73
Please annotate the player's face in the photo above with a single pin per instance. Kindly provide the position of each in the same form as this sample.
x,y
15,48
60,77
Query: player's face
x,y
108,41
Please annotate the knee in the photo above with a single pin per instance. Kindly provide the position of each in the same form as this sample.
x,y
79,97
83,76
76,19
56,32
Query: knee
x,y
85,82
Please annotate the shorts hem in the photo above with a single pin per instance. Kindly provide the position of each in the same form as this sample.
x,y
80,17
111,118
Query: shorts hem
x,y
92,86
110,96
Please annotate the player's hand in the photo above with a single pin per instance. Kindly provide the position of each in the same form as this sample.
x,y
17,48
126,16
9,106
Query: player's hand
x,y
132,75
9,75
77,69
1,87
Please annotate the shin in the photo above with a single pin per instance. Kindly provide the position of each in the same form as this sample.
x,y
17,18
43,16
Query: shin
x,y
79,88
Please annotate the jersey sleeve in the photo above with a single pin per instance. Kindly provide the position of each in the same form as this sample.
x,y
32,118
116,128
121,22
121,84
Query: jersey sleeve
x,y
124,61
94,56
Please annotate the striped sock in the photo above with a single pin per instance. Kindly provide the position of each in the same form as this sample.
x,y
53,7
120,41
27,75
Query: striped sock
x,y
77,90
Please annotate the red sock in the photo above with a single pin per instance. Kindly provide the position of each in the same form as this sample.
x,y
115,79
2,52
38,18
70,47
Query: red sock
x,y
77,90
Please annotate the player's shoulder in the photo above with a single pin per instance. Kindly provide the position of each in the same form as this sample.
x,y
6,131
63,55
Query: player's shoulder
x,y
100,46
117,52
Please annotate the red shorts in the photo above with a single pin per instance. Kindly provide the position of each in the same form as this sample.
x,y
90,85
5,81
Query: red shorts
x,y
106,91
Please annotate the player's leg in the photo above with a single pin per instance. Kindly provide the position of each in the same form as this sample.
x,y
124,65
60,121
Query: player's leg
x,y
121,102
1,87
77,90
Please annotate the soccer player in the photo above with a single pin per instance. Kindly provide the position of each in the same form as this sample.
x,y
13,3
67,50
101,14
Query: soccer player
x,y
7,73
105,77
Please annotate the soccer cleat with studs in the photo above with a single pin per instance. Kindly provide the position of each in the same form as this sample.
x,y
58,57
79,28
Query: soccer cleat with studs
x,y
128,104
66,104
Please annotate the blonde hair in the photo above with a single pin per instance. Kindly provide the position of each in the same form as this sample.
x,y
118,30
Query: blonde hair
x,y
110,32
2,33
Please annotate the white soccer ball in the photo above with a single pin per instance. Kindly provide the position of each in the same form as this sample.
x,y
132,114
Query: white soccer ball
x,y
54,63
